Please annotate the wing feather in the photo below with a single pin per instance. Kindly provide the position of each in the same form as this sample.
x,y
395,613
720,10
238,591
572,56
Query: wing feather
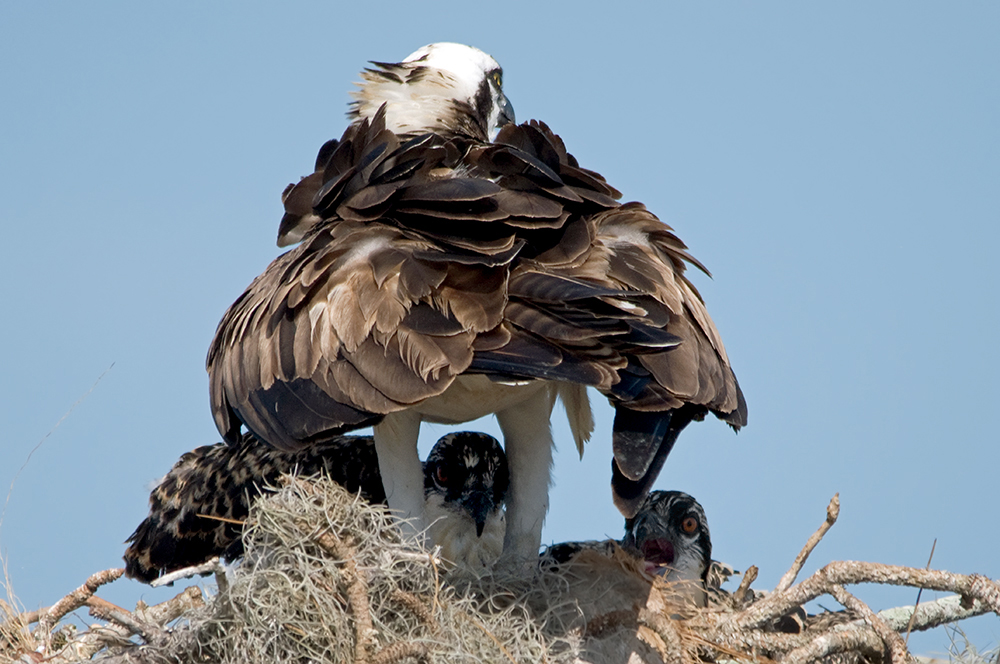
x,y
424,259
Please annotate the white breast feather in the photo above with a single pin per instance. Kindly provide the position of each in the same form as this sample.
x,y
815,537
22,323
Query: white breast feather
x,y
455,532
685,577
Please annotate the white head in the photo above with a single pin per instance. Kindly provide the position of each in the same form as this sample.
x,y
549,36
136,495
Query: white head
x,y
444,88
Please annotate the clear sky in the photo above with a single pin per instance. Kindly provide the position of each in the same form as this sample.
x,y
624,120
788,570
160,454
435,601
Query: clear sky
x,y
836,166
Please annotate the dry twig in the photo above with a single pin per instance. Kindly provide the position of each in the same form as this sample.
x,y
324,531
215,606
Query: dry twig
x,y
213,565
666,629
832,512
861,641
416,607
397,652
749,577
172,609
928,615
892,640
121,629
73,601
104,610
909,626
357,592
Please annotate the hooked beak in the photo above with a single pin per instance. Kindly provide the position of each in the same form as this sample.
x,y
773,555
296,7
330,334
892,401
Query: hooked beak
x,y
506,111
480,506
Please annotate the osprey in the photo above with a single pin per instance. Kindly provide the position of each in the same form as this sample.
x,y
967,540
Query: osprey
x,y
465,487
670,534
196,510
440,276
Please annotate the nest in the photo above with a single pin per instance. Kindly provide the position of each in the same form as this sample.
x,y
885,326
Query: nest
x,y
327,578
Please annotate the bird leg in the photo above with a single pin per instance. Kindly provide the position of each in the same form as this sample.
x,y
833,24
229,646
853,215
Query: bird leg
x,y
402,474
528,442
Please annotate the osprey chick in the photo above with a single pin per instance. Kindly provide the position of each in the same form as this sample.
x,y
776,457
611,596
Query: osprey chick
x,y
670,534
442,277
196,510
465,487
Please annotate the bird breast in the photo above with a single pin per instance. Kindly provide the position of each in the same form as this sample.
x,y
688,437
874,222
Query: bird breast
x,y
455,532
470,397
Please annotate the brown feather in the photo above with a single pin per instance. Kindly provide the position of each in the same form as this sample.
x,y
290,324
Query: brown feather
x,y
426,258
196,510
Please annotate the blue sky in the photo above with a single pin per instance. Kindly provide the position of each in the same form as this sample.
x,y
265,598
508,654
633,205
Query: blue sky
x,y
836,166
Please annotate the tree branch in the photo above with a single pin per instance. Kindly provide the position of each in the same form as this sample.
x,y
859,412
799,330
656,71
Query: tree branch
x,y
47,618
974,587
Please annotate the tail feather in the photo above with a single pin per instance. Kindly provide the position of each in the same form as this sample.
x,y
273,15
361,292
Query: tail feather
x,y
581,417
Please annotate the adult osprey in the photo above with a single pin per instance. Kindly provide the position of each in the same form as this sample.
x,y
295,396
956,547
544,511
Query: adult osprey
x,y
442,277
196,510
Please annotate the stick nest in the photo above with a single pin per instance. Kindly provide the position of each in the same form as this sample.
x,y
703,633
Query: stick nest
x,y
326,578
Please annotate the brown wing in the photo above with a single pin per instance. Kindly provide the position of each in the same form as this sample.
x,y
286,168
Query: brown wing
x,y
636,252
665,357
663,390
402,276
610,281
214,482
430,258
350,325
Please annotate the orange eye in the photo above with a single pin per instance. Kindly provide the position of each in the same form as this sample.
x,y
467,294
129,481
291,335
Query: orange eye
x,y
440,475
689,525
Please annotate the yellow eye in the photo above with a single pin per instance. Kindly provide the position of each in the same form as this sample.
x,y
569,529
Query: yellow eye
x,y
498,79
689,525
